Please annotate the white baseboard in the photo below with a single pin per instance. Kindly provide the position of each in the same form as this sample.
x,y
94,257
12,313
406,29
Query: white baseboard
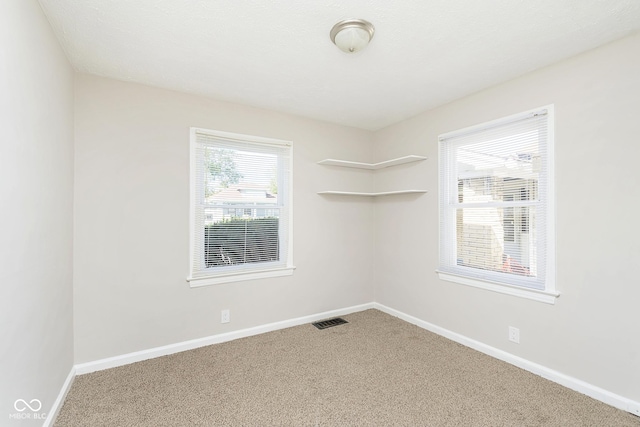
x,y
125,359
580,386
57,405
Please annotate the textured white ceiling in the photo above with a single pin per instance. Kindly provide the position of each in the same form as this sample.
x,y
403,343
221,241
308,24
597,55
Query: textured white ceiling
x,y
277,54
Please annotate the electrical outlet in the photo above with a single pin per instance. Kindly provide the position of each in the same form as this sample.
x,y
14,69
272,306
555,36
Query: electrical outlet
x,y
225,316
514,334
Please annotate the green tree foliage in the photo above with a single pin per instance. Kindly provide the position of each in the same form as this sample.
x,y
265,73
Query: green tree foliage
x,y
221,170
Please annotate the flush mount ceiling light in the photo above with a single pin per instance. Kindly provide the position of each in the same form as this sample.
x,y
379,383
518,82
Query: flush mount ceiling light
x,y
352,35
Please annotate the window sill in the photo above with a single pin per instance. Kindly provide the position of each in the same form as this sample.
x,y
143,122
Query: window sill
x,y
197,282
533,294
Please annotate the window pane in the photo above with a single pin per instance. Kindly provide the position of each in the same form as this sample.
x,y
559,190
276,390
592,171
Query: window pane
x,y
238,186
504,169
239,241
240,178
496,239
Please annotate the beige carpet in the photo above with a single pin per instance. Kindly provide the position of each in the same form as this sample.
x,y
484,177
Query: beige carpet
x,y
375,371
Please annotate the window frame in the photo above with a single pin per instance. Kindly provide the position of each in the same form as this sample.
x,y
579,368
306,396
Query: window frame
x,y
549,293
260,271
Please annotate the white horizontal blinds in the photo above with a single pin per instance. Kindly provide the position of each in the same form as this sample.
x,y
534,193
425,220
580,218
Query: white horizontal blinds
x,y
493,201
242,216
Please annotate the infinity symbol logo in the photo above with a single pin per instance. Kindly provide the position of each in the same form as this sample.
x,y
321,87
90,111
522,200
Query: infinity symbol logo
x,y
21,403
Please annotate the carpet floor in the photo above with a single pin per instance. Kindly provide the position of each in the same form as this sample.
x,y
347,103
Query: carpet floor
x,y
376,370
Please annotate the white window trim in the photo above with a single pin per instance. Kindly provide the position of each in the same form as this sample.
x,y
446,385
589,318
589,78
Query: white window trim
x,y
545,296
549,294
231,276
220,279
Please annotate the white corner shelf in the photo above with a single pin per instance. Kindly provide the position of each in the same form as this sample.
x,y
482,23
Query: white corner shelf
x,y
384,193
372,166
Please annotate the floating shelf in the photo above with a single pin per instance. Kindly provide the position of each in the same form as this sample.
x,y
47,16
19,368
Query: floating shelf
x,y
372,166
385,193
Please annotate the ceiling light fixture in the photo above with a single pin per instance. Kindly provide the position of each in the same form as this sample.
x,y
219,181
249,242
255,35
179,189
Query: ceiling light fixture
x,y
352,35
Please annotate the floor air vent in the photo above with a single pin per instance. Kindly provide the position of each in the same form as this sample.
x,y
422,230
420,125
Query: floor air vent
x,y
329,323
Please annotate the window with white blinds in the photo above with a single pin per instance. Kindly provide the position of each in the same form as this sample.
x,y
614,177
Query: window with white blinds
x,y
496,205
240,207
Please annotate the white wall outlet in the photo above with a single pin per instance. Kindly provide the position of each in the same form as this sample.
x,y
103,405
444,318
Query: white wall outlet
x,y
514,334
225,316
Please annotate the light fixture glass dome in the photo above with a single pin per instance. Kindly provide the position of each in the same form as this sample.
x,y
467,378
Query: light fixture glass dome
x,y
352,35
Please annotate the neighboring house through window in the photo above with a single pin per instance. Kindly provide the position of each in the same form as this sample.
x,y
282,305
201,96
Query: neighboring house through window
x,y
240,207
496,206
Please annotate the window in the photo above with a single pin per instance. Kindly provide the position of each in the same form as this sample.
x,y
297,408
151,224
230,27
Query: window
x,y
240,208
496,206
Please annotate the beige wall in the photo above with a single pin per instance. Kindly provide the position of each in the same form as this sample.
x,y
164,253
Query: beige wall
x,y
591,332
36,190
132,221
